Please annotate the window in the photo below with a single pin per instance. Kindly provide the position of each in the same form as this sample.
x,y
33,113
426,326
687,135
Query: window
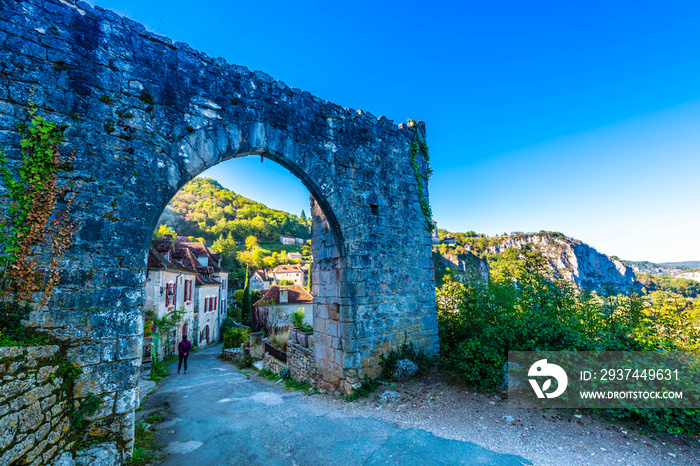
x,y
188,289
215,302
168,294
206,304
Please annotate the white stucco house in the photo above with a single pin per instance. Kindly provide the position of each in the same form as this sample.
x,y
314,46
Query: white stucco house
x,y
289,272
185,275
286,300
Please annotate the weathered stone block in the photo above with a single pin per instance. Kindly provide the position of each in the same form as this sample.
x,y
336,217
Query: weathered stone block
x,y
9,426
17,451
84,355
127,401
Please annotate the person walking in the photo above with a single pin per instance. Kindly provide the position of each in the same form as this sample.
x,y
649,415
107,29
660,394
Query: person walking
x,y
183,352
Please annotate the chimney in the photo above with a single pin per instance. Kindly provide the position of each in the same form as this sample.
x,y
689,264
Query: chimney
x,y
284,296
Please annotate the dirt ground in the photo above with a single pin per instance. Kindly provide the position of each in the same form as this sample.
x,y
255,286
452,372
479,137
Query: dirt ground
x,y
440,405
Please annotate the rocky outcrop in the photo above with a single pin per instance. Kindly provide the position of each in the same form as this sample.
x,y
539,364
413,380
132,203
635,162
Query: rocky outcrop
x,y
694,275
470,264
570,259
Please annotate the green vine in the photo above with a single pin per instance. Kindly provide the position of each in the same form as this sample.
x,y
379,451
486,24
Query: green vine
x,y
419,144
39,139
29,218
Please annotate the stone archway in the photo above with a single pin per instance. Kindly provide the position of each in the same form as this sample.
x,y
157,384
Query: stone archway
x,y
143,116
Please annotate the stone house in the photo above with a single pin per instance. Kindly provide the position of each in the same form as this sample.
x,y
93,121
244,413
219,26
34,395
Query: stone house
x,y
291,240
186,276
211,290
260,281
295,256
287,240
289,272
285,300
449,239
169,287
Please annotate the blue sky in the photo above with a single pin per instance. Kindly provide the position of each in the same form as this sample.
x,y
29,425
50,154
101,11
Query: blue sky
x,y
540,115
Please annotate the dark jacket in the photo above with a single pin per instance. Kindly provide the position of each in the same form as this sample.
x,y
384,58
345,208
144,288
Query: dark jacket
x,y
184,347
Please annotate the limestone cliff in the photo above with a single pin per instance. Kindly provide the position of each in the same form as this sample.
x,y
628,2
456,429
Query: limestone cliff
x,y
470,264
567,258
691,275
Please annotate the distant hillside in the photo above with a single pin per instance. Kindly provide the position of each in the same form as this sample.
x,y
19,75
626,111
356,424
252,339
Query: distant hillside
x,y
567,258
651,268
683,265
664,268
204,208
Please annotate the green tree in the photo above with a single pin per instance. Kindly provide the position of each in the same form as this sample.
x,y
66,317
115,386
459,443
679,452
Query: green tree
x,y
246,307
227,248
308,284
163,230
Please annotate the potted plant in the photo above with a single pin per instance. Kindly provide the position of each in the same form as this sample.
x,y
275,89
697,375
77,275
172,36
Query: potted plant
x,y
303,336
297,322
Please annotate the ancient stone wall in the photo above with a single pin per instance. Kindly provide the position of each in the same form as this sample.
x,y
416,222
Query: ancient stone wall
x,y
143,116
301,363
272,364
34,408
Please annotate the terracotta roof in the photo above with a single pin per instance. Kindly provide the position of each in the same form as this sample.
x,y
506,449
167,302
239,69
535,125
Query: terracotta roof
x,y
296,295
206,281
262,275
157,261
287,269
162,244
184,258
200,250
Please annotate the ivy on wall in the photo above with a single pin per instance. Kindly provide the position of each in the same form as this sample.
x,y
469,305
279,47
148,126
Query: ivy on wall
x,y
29,213
419,144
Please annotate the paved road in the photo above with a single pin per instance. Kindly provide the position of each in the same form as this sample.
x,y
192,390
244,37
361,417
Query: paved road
x,y
215,415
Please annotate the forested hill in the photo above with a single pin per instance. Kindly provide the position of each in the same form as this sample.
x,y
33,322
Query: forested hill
x,y
203,208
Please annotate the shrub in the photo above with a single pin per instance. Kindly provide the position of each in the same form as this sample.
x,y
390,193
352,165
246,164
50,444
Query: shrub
x,y
298,317
405,351
235,336
520,309
246,362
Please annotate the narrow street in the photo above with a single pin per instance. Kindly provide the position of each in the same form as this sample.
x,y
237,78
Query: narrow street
x,y
215,415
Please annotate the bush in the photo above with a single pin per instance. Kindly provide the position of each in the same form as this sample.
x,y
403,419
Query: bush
x,y
298,317
235,313
235,336
520,309
246,362
405,351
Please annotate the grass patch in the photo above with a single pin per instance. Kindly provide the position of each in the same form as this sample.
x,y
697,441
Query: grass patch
x,y
296,385
367,387
145,452
154,418
268,374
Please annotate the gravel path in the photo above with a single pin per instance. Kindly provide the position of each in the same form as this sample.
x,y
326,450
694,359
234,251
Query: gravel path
x,y
545,438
